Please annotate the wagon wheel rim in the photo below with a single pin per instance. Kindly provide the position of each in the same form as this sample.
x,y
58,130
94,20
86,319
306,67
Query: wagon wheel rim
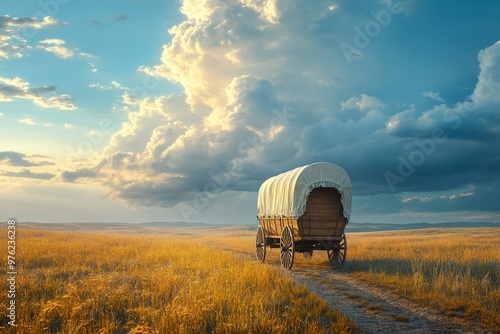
x,y
287,248
337,254
260,244
308,254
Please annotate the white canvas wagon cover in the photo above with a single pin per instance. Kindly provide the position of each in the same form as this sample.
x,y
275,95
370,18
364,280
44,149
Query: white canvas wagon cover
x,y
285,195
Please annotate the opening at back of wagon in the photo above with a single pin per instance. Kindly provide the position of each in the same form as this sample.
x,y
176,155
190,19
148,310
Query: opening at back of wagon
x,y
323,216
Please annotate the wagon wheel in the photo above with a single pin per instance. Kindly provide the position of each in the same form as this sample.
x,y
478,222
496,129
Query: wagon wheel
x,y
336,254
260,244
287,247
308,254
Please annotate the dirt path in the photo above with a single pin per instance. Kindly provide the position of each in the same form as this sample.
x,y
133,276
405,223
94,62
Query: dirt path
x,y
374,310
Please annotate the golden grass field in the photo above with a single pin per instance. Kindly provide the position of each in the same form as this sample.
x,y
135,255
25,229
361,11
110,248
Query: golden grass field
x,y
103,282
456,271
91,282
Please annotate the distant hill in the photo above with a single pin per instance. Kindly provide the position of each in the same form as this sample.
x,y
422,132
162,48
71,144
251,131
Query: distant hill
x,y
374,227
182,228
176,224
174,228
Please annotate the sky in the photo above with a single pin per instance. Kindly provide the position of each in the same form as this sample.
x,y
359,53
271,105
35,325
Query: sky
x,y
149,110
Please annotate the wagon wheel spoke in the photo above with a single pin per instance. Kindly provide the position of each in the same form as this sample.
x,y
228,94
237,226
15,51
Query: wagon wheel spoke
x,y
260,244
337,254
287,245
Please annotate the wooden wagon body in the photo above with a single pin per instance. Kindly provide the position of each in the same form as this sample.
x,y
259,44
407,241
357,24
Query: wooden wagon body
x,y
303,210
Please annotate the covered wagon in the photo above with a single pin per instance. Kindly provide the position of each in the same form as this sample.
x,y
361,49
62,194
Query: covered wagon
x,y
304,210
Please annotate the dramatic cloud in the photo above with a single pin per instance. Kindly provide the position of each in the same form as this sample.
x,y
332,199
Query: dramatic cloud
x,y
267,88
14,32
43,96
455,145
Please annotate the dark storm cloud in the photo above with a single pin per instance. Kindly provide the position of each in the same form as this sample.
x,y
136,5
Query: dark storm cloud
x,y
267,89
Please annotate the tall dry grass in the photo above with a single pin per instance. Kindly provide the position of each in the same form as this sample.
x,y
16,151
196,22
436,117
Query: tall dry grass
x,y
456,271
76,282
